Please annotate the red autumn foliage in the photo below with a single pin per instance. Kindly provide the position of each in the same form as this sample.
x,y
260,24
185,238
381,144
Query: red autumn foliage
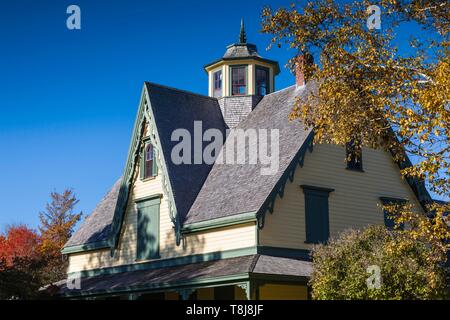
x,y
18,242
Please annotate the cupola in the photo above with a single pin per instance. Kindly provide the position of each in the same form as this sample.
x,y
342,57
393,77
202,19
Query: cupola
x,y
241,71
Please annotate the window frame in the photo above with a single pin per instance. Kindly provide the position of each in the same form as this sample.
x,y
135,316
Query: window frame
x,y
220,89
389,222
311,231
267,71
233,67
143,164
354,159
152,202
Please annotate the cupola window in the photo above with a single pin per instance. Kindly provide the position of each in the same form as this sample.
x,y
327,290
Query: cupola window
x,y
218,84
262,81
239,80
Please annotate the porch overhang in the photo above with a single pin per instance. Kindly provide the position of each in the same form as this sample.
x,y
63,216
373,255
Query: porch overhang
x,y
184,279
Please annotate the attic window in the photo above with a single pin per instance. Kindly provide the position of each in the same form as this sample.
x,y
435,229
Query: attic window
x,y
239,80
148,162
354,156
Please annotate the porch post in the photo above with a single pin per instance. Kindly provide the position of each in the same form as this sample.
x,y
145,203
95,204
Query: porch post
x,y
247,288
185,293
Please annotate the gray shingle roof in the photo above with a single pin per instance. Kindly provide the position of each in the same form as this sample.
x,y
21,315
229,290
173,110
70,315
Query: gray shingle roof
x,y
201,191
237,188
241,50
97,226
178,275
176,109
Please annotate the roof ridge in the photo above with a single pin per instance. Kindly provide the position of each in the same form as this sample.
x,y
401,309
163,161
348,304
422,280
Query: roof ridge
x,y
179,90
281,90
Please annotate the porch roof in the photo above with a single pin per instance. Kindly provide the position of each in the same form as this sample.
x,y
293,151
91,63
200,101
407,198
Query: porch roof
x,y
199,274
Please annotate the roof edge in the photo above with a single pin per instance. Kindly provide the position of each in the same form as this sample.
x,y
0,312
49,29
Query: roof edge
x,y
227,221
273,62
85,247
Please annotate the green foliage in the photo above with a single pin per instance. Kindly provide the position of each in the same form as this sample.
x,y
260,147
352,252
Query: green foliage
x,y
409,268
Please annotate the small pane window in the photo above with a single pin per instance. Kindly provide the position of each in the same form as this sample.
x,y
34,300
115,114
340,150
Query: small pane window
x,y
354,156
389,217
239,80
262,81
148,163
218,84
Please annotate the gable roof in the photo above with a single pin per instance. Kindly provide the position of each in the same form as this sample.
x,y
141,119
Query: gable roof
x,y
97,226
174,109
231,189
204,192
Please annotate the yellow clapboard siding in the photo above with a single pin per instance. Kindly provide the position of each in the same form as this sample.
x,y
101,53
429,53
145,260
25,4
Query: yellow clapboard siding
x,y
353,204
239,236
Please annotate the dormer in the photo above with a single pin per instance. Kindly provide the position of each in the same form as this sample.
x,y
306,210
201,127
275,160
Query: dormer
x,y
241,71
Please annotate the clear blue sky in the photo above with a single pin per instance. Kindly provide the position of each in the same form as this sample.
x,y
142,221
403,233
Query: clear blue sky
x,y
68,98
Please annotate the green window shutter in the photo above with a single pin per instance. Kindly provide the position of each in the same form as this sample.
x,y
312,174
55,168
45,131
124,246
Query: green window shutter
x,y
148,229
316,214
155,163
389,217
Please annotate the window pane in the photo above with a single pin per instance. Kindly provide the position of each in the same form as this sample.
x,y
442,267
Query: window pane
x,y
262,80
218,84
148,165
238,80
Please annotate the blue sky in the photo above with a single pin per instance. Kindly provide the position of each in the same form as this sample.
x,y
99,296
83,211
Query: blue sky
x,y
68,98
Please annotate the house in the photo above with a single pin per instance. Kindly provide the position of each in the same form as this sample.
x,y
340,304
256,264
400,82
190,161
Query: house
x,y
218,230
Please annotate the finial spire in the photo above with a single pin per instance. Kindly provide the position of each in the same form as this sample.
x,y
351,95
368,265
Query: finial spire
x,y
242,35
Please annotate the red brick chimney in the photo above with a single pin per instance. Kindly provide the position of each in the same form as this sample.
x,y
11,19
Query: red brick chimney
x,y
302,72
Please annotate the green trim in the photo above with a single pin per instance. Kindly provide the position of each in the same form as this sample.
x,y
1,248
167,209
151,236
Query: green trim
x,y
300,254
387,200
156,197
171,262
85,247
278,278
220,222
154,287
276,65
314,188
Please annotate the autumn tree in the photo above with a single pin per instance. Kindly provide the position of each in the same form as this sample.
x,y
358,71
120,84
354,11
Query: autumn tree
x,y
371,92
56,227
20,263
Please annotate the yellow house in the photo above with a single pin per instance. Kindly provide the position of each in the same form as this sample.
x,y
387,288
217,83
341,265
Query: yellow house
x,y
221,230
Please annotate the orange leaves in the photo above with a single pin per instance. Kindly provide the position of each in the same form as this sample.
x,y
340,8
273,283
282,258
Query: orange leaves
x,y
19,242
